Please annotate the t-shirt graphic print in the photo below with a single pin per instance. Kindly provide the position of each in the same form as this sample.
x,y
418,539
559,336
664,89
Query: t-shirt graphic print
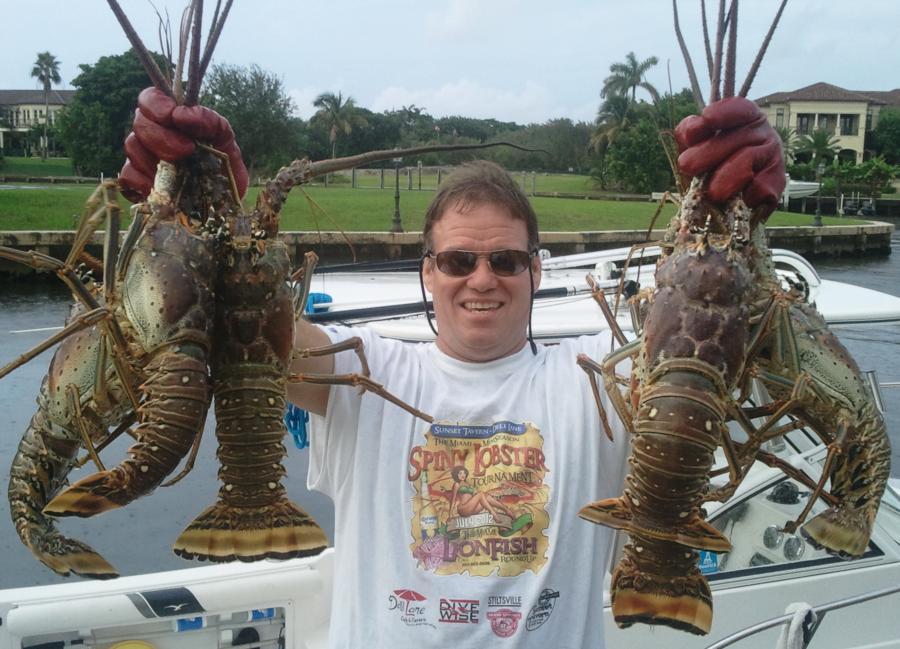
x,y
479,499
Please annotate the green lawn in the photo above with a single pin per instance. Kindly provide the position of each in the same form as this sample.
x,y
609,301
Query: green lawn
x,y
341,208
539,182
14,166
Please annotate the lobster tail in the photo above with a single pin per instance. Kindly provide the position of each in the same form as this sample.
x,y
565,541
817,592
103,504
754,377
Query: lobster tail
x,y
224,532
858,479
253,518
44,457
66,556
659,583
842,531
172,414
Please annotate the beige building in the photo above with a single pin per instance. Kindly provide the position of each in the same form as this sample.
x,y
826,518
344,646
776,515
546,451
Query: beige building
x,y
847,114
21,110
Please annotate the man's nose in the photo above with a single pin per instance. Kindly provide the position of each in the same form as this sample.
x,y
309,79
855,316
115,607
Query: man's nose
x,y
482,278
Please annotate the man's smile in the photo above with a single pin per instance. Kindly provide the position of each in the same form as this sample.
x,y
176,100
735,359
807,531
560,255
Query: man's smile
x,y
481,306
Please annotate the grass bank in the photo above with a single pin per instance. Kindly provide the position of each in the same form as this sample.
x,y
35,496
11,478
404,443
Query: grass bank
x,y
58,207
18,166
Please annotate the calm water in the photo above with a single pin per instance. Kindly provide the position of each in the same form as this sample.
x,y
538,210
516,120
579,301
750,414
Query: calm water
x,y
138,538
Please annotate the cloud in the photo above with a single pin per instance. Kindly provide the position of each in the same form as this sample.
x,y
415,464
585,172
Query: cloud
x,y
303,99
305,95
531,102
455,19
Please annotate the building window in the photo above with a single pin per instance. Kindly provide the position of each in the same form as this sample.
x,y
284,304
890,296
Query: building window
x,y
804,123
828,122
779,118
849,124
869,120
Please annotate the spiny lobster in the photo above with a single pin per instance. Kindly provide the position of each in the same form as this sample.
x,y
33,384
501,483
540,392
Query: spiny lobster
x,y
196,306
718,318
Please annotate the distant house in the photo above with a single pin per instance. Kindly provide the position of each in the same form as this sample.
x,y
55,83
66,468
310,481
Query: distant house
x,y
848,114
21,110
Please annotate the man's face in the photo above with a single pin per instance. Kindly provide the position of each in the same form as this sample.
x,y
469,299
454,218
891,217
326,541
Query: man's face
x,y
481,317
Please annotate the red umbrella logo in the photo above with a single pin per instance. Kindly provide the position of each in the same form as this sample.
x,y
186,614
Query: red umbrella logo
x,y
409,595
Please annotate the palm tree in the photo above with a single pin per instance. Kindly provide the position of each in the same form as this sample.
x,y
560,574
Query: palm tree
x,y
788,142
628,76
46,70
613,117
821,144
339,114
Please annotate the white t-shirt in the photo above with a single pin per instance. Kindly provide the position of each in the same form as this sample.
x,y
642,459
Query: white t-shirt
x,y
465,533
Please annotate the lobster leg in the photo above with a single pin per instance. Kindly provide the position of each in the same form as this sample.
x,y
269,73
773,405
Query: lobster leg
x,y
600,299
363,382
359,380
611,381
304,274
592,368
75,406
83,321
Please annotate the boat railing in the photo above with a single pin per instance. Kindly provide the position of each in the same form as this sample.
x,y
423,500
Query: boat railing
x,y
814,618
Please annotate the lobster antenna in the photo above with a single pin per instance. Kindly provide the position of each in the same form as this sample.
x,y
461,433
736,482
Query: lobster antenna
x,y
183,32
155,74
762,50
717,61
164,34
695,86
214,31
709,59
731,55
193,86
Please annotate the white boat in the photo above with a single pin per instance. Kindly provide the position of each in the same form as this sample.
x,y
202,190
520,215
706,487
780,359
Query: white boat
x,y
288,604
798,189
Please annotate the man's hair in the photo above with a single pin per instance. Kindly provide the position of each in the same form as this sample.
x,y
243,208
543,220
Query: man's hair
x,y
480,183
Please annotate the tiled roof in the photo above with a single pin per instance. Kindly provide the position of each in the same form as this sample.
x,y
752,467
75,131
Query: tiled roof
x,y
823,92
889,97
18,97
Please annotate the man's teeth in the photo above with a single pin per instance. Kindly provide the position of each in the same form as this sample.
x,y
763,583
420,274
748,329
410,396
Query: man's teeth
x,y
482,306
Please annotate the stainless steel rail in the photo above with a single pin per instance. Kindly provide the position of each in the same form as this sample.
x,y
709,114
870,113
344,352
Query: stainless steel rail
x,y
820,612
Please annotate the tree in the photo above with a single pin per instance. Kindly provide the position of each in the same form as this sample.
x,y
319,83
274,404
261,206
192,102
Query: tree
x,y
636,161
46,70
886,135
613,117
788,142
628,76
340,116
876,174
260,112
99,117
821,145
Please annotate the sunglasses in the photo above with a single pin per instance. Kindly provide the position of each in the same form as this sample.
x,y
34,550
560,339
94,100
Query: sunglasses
x,y
460,263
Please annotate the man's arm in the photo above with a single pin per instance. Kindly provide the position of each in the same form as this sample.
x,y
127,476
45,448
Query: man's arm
x,y
310,396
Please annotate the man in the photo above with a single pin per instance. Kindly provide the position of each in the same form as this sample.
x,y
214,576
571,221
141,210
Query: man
x,y
518,427
465,531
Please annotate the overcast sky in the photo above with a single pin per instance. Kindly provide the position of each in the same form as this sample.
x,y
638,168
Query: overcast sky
x,y
514,60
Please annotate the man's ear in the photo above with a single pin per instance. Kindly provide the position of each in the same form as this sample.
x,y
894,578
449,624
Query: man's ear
x,y
536,271
428,272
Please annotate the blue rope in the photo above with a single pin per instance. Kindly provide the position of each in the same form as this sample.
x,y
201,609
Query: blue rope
x,y
296,419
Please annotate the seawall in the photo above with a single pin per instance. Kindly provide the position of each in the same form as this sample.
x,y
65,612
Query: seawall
x,y
873,238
